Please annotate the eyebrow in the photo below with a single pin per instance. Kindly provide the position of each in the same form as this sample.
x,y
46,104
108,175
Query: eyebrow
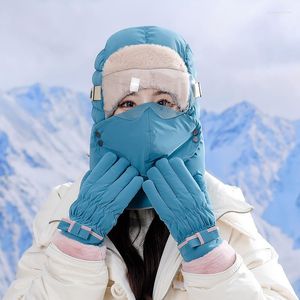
x,y
157,93
130,94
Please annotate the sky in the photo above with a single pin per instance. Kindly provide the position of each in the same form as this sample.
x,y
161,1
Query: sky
x,y
244,50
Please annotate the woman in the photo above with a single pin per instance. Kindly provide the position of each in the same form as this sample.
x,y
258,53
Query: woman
x,y
146,221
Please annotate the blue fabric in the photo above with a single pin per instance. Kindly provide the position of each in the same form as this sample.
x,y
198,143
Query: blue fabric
x,y
105,136
104,193
182,205
166,148
146,133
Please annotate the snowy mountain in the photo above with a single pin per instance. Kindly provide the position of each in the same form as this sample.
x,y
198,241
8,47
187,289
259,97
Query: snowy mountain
x,y
284,211
252,146
44,141
261,154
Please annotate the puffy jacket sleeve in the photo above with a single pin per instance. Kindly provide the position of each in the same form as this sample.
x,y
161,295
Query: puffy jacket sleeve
x,y
45,272
255,275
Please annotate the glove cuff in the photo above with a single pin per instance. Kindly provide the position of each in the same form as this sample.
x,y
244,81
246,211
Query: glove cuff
x,y
200,243
78,232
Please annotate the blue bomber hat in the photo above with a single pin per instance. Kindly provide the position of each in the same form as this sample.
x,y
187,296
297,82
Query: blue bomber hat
x,y
146,57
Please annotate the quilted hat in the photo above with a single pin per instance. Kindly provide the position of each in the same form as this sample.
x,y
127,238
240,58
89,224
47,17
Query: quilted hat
x,y
144,57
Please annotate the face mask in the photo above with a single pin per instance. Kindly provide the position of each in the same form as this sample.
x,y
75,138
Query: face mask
x,y
146,133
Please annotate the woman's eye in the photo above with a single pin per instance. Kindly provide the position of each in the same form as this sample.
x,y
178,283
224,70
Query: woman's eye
x,y
127,103
165,102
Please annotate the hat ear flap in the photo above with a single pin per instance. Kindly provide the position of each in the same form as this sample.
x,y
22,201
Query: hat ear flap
x,y
97,115
97,110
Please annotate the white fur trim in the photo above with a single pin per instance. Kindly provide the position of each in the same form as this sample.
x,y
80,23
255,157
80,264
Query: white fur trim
x,y
143,56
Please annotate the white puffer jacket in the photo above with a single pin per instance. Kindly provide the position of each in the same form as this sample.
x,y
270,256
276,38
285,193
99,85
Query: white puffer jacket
x,y
44,272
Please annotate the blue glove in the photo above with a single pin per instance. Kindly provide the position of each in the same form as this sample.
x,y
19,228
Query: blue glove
x,y
183,206
105,192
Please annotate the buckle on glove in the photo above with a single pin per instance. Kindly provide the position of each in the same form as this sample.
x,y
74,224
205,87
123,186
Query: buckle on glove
x,y
202,237
79,230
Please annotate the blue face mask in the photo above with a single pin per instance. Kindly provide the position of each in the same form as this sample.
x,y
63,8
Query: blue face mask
x,y
147,133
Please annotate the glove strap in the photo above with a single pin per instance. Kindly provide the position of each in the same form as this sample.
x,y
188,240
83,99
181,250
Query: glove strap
x,y
80,231
202,237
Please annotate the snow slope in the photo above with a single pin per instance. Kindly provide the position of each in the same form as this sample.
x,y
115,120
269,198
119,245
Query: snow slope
x,y
44,136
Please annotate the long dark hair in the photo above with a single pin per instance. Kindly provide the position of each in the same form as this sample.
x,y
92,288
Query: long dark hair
x,y
141,273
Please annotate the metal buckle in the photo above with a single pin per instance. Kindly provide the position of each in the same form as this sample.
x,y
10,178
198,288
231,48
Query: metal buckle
x,y
95,93
201,237
79,230
197,89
